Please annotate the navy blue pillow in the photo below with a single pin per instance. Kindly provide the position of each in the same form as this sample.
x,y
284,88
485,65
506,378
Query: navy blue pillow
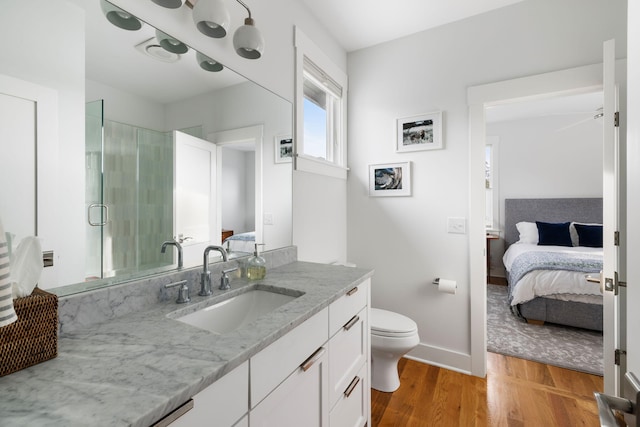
x,y
589,235
553,234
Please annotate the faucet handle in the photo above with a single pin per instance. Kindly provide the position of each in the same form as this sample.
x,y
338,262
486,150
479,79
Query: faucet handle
x,y
224,280
183,292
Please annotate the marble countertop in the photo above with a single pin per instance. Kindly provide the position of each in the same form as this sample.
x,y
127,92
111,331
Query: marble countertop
x,y
136,368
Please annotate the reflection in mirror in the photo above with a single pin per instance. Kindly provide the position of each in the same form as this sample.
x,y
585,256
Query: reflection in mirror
x,y
134,102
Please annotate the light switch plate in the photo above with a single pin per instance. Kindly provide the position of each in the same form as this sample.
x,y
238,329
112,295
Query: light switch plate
x,y
456,225
268,219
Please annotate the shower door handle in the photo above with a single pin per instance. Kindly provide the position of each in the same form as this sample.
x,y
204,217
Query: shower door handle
x,y
105,217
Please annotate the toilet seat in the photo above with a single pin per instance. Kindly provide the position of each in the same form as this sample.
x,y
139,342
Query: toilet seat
x,y
386,323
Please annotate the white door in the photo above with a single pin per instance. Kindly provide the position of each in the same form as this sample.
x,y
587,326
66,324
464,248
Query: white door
x,y
614,296
196,225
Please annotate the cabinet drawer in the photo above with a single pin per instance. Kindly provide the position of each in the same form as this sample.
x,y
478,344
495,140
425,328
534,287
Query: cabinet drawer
x,y
347,353
273,364
301,399
343,309
351,409
225,401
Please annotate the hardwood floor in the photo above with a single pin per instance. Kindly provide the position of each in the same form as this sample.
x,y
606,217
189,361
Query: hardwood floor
x,y
516,392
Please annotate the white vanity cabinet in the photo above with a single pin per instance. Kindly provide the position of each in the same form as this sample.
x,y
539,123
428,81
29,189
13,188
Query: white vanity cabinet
x,y
334,389
317,375
289,378
225,402
349,356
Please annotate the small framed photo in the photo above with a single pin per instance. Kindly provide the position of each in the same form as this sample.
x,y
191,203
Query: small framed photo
x,y
390,179
283,147
419,133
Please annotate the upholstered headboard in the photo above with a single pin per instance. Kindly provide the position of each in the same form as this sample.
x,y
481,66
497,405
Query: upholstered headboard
x,y
549,210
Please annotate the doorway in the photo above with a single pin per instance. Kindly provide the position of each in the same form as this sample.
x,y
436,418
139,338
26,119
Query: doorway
x,y
573,81
240,186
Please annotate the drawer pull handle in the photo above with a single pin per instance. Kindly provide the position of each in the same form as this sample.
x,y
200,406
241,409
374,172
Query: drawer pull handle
x,y
169,419
307,364
351,322
352,386
352,291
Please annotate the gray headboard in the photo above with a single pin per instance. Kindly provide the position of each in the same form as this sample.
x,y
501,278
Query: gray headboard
x,y
549,210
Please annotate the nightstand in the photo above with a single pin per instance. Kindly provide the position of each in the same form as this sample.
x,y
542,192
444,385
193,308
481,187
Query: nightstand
x,y
490,237
226,234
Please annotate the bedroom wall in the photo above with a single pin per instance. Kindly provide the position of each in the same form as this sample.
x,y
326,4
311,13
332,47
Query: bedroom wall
x,y
541,158
405,238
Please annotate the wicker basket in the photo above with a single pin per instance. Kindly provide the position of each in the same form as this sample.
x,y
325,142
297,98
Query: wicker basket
x,y
33,338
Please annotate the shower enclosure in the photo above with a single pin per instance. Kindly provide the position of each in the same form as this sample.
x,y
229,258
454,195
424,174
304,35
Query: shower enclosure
x,y
129,196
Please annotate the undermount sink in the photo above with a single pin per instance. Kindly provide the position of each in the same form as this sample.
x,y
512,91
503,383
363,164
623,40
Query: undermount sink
x,y
239,310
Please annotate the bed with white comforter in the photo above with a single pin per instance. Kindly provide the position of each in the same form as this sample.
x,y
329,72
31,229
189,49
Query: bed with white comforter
x,y
548,282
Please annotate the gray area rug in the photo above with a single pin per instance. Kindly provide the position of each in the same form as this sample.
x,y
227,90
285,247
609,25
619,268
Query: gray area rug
x,y
566,347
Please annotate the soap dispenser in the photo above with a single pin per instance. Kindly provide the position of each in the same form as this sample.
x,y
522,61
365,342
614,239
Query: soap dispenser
x,y
256,265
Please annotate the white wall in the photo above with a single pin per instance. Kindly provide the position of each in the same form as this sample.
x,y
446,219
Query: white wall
x,y
124,107
59,65
541,157
405,239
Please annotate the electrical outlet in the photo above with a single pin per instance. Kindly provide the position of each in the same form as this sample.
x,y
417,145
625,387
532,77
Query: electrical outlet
x,y
456,225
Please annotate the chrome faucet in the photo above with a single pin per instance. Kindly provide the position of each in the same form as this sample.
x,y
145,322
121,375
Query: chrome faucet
x,y
178,246
205,277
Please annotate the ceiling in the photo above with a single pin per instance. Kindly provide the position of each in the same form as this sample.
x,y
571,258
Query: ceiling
x,y
357,24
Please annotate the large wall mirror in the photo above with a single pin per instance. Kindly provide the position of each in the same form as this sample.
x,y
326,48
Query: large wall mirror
x,y
152,145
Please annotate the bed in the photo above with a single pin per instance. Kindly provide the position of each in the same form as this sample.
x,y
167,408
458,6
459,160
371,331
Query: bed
x,y
240,244
547,279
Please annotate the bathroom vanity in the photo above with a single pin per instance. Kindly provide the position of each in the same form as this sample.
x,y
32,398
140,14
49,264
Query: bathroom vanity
x,y
306,359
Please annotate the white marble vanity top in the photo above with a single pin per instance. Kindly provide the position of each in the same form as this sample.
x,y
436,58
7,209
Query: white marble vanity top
x,y
134,369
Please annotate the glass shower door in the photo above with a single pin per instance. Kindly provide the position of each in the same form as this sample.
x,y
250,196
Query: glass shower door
x,y
94,205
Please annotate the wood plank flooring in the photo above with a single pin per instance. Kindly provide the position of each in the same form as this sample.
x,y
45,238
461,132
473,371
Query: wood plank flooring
x,y
516,392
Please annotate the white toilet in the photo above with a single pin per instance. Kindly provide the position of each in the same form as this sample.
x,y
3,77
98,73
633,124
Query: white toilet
x,y
392,336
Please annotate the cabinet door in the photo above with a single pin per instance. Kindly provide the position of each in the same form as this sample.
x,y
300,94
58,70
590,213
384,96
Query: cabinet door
x,y
348,350
301,400
352,409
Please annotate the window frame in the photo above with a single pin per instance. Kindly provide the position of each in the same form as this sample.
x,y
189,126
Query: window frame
x,y
337,166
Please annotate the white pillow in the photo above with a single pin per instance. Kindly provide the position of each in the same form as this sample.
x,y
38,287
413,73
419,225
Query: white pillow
x,y
528,232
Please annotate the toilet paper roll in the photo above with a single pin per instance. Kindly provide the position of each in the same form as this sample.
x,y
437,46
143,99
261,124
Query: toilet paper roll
x,y
447,286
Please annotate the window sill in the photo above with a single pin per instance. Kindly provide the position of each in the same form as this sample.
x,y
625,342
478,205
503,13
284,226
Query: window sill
x,y
319,166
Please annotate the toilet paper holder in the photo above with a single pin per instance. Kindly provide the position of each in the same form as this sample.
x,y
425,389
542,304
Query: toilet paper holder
x,y
436,281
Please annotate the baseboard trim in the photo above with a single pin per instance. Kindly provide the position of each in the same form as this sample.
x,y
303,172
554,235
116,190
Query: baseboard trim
x,y
442,358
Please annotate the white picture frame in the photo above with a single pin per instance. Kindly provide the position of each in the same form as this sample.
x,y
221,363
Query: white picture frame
x,y
390,179
418,133
283,148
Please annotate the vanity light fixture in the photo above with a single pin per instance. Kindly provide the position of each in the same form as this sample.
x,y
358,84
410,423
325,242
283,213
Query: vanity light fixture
x,y
207,63
171,44
119,17
247,40
211,18
170,4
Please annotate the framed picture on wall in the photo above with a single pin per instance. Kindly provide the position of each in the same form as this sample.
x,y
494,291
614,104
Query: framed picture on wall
x,y
283,148
390,179
417,133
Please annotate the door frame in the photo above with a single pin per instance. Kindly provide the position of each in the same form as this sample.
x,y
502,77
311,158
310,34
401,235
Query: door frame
x,y
559,83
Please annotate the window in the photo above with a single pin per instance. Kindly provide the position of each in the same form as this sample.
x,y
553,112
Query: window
x,y
491,218
320,111
322,114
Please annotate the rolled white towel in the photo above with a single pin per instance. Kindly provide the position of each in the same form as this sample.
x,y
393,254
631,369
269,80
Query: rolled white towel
x,y
7,313
26,266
